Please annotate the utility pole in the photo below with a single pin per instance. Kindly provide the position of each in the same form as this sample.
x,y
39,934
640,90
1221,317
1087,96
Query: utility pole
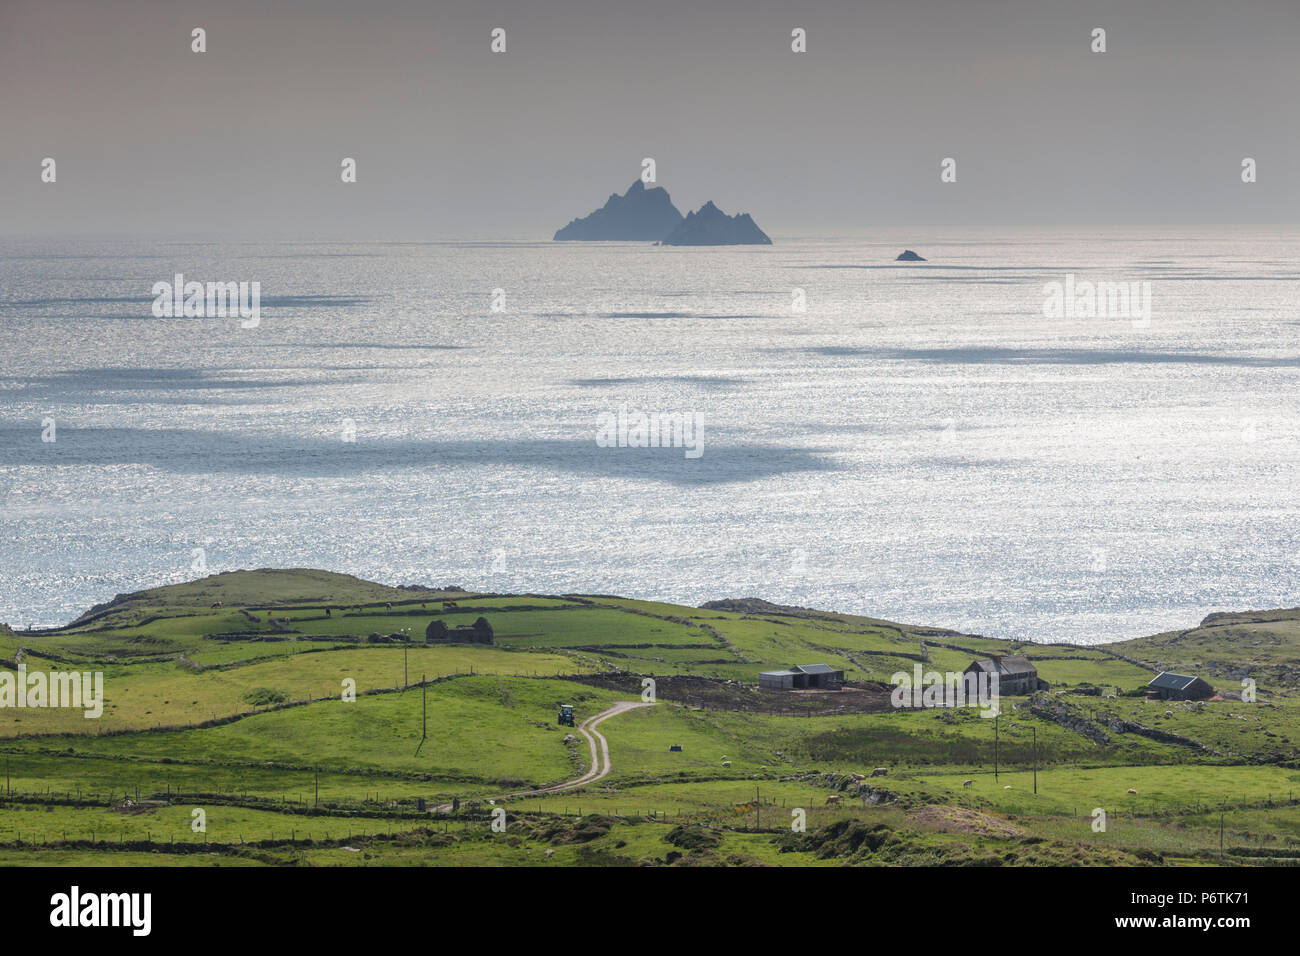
x,y
404,680
424,732
317,803
1220,836
995,748
757,798
1035,729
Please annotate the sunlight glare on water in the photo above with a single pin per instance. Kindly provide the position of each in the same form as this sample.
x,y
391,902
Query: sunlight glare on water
x,y
920,444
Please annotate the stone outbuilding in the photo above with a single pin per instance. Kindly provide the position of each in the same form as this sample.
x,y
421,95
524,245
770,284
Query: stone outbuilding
x,y
480,632
802,677
1170,686
1016,676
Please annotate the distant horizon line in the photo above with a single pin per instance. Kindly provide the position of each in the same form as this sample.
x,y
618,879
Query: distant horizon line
x,y
835,232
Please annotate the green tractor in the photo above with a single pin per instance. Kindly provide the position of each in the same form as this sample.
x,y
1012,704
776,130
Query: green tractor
x,y
566,715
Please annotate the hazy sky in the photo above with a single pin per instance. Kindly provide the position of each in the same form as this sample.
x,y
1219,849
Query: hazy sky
x,y
454,140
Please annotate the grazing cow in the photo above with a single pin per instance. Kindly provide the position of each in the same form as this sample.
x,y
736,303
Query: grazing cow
x,y
218,604
880,772
1134,792
967,783
388,607
327,612
449,604
834,798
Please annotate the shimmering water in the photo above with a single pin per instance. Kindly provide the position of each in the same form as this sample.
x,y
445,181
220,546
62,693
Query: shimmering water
x,y
921,443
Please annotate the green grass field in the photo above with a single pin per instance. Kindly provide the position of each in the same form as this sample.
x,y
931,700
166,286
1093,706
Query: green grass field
x,y
243,712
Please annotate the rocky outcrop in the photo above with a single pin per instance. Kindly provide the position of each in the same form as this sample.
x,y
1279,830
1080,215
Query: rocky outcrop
x,y
710,226
845,783
753,605
909,256
1080,725
639,215
1119,726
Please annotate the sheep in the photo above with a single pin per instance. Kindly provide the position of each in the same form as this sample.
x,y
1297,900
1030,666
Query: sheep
x,y
880,772
1132,791
859,776
833,799
388,607
967,783
1007,787
726,763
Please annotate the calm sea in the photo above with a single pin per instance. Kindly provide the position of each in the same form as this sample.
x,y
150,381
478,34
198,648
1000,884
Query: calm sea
x,y
919,443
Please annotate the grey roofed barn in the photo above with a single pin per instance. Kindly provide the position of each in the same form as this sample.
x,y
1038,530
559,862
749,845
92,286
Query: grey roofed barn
x,y
1170,686
815,669
802,676
1015,674
1006,667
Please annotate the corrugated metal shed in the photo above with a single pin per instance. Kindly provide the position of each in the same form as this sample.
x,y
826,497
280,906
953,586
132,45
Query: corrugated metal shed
x,y
1171,681
802,677
814,669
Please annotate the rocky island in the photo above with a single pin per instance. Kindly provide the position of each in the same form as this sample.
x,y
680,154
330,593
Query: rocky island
x,y
640,214
710,226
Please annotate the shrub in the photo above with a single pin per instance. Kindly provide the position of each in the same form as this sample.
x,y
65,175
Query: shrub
x,y
264,697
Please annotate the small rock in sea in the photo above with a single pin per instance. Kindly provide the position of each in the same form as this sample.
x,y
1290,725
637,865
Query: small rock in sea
x,y
909,256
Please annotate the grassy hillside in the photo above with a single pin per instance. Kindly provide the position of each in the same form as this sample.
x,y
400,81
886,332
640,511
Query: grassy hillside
x,y
1263,645
232,695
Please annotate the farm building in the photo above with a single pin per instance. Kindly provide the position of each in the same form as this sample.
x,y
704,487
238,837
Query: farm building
x,y
1015,674
480,632
802,677
1170,686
